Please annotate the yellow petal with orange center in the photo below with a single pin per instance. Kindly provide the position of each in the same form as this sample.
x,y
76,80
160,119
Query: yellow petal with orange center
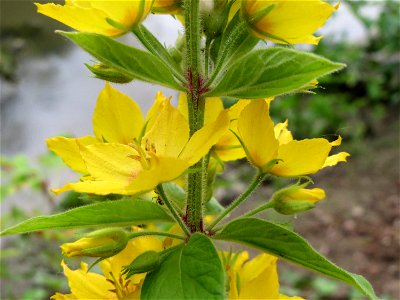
x,y
116,119
68,150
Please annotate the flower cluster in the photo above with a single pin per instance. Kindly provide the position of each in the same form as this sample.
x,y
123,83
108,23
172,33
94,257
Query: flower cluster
x,y
162,166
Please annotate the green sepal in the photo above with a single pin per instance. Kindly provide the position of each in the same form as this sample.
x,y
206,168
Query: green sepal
x,y
283,243
272,72
127,60
189,271
145,262
108,213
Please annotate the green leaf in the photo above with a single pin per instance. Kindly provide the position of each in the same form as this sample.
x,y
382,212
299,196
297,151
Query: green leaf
x,y
191,271
283,243
108,213
272,72
129,61
213,207
175,194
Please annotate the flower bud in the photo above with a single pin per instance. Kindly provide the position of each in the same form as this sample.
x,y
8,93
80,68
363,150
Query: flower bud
x,y
295,199
108,73
286,22
100,243
214,20
171,7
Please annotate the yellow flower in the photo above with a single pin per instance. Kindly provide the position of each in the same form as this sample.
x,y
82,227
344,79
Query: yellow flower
x,y
296,198
110,18
286,21
273,150
100,243
111,285
138,157
253,279
117,119
228,147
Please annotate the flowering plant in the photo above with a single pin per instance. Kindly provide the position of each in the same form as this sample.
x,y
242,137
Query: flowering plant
x,y
157,240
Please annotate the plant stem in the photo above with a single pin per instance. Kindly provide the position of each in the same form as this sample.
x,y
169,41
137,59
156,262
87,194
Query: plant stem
x,y
253,185
196,104
207,58
145,233
171,208
259,209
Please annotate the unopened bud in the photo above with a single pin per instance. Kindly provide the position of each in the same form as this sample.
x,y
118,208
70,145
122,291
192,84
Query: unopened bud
x,y
171,7
109,74
296,199
100,243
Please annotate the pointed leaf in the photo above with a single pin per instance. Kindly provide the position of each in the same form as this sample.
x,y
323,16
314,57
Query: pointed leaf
x,y
191,271
286,244
272,72
108,213
127,60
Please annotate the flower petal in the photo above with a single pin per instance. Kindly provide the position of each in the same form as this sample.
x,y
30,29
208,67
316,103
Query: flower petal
x,y
58,296
290,21
116,119
87,285
213,108
80,18
68,150
335,159
202,140
111,162
301,157
169,134
94,187
283,135
163,169
127,13
256,131
158,105
259,278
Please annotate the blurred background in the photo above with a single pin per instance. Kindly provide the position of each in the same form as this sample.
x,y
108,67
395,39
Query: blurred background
x,y
47,91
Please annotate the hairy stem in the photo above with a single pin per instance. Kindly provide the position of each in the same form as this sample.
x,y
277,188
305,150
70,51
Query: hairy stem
x,y
171,208
196,104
